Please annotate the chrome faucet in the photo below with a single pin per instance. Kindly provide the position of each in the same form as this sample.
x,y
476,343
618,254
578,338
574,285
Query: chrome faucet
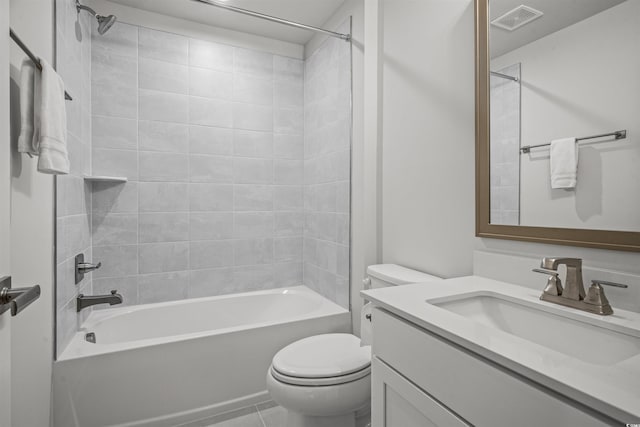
x,y
84,301
573,294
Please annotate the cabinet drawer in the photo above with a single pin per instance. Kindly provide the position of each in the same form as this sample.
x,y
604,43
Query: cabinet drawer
x,y
396,402
481,393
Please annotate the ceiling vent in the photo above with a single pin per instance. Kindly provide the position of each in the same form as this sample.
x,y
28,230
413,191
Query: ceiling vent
x,y
516,18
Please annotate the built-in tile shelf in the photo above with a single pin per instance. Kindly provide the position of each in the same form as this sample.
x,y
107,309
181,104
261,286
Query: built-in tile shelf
x,y
105,178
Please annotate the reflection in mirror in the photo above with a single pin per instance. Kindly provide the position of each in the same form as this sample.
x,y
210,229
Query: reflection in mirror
x,y
561,71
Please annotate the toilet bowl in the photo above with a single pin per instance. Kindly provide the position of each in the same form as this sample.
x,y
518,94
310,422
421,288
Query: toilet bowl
x,y
325,380
321,380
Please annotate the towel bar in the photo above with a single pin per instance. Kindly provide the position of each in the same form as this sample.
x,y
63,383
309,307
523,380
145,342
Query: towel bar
x,y
31,56
619,134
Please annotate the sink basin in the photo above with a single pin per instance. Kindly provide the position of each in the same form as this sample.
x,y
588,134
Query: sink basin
x,y
590,340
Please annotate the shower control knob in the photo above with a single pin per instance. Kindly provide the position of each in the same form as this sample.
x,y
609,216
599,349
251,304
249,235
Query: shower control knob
x,y
83,268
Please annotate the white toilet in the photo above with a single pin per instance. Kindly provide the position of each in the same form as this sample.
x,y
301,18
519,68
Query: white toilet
x,y
325,380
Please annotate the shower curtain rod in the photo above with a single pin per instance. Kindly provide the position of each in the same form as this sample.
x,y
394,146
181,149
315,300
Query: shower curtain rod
x,y
504,76
346,37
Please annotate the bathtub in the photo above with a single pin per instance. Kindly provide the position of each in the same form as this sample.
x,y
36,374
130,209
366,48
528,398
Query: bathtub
x,y
170,363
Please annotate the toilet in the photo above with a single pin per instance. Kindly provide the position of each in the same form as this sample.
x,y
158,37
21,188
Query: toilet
x,y
325,380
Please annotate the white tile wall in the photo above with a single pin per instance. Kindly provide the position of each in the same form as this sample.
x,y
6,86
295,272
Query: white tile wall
x,y
214,202
237,160
505,148
113,132
73,202
163,76
210,55
210,140
326,167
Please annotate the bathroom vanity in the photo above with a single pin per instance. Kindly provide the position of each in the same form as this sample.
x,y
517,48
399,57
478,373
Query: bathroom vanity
x,y
475,351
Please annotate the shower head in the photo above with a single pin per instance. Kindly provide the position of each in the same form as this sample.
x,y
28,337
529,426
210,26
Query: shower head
x,y
104,22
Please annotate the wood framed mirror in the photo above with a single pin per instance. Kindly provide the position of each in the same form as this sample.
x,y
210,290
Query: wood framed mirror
x,y
584,216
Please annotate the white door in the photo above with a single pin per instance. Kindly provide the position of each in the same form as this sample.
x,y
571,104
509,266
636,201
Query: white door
x,y
5,214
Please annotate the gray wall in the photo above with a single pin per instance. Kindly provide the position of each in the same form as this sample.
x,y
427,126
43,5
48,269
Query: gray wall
x,y
505,147
428,207
73,198
211,139
427,161
363,237
327,167
571,89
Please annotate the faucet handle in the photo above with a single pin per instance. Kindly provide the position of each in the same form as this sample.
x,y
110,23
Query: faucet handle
x,y
596,297
86,267
545,271
604,282
82,268
114,291
554,285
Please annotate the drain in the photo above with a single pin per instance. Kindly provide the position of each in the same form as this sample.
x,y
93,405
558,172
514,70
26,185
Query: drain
x,y
90,337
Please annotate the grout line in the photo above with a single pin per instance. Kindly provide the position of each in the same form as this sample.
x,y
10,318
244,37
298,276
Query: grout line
x,y
187,291
137,58
264,424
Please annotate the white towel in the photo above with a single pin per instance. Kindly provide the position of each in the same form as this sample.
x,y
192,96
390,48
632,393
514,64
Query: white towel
x,y
564,163
29,130
54,158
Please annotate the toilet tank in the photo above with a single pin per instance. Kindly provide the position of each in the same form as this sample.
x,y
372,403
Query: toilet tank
x,y
384,275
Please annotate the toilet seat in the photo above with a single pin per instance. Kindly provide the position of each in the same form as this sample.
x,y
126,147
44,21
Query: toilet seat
x,y
322,360
319,382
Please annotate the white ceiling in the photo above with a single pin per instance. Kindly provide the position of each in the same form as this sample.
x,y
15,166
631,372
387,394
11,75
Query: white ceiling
x,y
310,12
558,14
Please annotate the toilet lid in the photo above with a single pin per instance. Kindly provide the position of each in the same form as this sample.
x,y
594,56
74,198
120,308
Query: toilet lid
x,y
316,382
323,356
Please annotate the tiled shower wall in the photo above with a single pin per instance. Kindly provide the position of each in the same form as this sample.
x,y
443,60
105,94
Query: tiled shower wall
x,y
210,137
505,148
213,143
73,46
327,168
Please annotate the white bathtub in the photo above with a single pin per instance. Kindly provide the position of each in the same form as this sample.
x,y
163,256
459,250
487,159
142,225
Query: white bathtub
x,y
171,363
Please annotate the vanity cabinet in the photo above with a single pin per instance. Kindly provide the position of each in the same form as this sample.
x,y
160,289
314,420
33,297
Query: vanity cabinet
x,y
398,402
421,379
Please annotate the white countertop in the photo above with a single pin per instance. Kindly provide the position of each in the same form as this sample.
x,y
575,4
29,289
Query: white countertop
x,y
613,390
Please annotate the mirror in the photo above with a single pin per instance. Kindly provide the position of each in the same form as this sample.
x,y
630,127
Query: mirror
x,y
548,71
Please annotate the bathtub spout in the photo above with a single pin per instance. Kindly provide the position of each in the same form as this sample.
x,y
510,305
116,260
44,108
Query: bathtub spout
x,y
84,301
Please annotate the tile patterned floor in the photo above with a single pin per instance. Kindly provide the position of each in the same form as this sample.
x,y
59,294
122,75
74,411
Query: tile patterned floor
x,y
266,414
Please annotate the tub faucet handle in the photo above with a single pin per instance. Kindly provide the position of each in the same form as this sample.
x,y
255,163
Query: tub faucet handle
x,y
83,268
